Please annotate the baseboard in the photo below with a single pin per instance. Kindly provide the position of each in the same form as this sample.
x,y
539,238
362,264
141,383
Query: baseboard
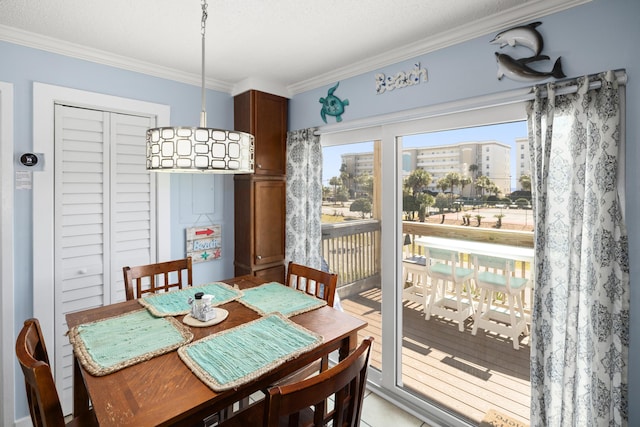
x,y
23,422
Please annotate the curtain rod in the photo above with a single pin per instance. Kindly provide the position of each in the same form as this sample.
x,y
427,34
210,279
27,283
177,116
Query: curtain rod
x,y
570,85
469,104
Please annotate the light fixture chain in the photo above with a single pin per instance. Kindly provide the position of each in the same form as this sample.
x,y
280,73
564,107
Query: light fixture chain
x,y
203,25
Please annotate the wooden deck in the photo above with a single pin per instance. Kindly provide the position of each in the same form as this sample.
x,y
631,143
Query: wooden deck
x,y
454,370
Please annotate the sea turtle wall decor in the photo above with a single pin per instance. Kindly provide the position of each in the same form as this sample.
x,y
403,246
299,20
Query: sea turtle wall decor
x,y
332,105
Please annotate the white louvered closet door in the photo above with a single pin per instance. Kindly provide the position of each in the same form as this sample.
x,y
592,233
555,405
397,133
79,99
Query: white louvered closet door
x,y
104,216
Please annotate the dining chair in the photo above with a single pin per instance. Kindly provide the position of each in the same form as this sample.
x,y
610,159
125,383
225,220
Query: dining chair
x,y
442,269
152,278
321,284
493,276
414,267
42,396
304,403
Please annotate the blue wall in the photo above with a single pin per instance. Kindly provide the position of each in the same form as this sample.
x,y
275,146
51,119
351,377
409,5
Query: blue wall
x,y
594,37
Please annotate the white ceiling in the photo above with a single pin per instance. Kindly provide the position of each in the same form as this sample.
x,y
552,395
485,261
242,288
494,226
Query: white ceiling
x,y
284,46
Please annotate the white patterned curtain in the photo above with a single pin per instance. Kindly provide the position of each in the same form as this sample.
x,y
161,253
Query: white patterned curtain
x,y
304,198
580,325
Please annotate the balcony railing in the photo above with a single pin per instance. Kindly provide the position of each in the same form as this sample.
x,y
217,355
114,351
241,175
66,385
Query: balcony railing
x,y
352,249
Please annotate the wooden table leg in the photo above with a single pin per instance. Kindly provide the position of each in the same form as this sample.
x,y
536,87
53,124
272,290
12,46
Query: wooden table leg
x,y
80,395
348,345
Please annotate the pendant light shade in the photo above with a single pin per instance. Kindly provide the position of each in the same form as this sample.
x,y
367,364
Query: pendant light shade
x,y
193,149
199,149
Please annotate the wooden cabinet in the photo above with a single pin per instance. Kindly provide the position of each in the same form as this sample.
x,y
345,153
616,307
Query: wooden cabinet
x,y
259,223
260,199
264,116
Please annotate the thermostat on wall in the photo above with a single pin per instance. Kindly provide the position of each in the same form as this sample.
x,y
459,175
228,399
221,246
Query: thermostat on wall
x,y
32,161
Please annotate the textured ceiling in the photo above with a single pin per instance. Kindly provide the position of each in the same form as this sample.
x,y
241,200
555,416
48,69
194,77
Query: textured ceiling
x,y
290,45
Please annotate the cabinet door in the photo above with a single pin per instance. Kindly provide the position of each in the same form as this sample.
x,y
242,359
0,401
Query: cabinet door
x,y
271,134
265,116
269,221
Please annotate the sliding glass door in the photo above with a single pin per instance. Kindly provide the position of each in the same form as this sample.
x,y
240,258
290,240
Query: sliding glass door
x,y
431,368
464,190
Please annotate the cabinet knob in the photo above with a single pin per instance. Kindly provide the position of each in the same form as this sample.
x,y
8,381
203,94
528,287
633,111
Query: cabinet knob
x,y
259,166
259,256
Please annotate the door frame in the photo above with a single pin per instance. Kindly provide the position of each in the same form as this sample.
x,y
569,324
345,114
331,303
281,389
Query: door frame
x,y
44,99
7,394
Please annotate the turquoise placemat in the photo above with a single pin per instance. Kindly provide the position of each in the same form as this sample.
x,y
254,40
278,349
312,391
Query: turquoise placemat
x,y
277,298
233,357
108,345
176,303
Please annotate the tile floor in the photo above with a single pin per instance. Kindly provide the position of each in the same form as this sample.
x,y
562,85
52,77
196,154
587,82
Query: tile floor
x,y
377,412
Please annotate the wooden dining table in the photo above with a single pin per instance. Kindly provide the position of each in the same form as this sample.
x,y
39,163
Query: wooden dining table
x,y
163,391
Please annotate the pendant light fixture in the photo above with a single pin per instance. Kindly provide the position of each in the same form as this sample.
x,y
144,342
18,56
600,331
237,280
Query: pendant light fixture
x,y
199,149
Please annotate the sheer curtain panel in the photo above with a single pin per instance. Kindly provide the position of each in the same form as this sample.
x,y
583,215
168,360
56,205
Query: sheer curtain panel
x,y
304,198
580,325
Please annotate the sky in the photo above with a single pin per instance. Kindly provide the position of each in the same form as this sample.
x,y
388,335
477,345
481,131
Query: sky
x,y
504,132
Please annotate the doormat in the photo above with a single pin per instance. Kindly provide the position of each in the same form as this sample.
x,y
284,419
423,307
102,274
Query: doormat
x,y
494,418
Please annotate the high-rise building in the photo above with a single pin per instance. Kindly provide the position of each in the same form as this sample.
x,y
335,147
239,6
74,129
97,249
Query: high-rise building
x,y
523,161
492,158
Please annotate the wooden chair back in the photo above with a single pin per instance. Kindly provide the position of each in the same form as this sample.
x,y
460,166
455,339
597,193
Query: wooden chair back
x,y
319,283
304,403
42,396
346,382
160,277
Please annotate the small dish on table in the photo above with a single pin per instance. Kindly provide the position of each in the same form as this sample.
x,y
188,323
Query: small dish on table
x,y
221,314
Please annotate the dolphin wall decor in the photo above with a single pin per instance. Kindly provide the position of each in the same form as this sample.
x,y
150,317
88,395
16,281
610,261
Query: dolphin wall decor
x,y
518,69
524,35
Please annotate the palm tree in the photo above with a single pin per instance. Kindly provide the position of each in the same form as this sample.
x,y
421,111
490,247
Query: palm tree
x,y
346,177
463,183
482,183
364,184
494,189
417,181
335,181
473,169
443,183
454,180
326,192
525,182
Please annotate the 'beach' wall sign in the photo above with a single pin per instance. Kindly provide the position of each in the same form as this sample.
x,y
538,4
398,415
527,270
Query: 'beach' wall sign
x,y
401,79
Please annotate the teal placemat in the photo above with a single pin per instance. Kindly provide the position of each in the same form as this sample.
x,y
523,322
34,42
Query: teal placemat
x,y
108,345
176,303
277,298
241,354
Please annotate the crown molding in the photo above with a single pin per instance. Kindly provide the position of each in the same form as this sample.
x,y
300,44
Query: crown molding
x,y
261,85
74,50
515,16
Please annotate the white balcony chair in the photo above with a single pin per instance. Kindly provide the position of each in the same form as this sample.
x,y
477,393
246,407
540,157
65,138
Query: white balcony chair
x,y
510,320
448,301
414,271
